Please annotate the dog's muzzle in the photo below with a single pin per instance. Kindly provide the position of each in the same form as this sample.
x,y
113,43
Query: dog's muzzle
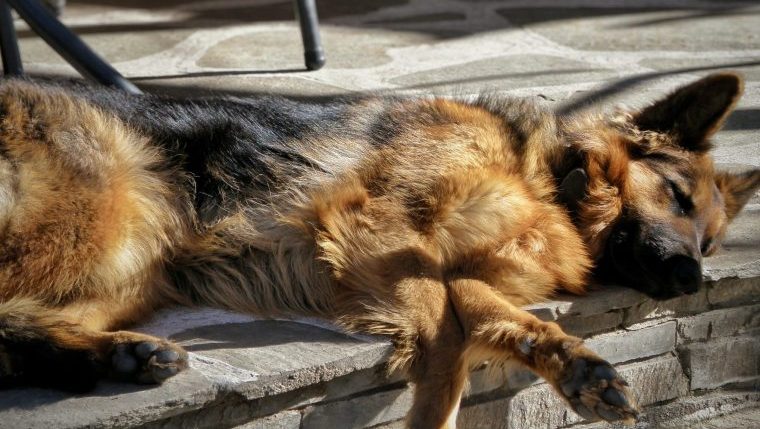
x,y
658,266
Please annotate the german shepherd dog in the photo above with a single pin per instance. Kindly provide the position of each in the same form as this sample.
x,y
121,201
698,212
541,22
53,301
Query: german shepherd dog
x,y
430,221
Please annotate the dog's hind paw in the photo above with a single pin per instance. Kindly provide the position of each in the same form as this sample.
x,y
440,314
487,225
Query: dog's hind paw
x,y
596,391
147,362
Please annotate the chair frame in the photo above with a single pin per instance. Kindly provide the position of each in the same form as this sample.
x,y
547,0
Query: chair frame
x,y
90,65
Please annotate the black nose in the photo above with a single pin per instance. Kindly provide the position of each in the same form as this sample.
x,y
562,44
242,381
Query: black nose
x,y
685,274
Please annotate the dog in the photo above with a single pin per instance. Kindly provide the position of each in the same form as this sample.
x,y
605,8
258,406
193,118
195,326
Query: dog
x,y
430,221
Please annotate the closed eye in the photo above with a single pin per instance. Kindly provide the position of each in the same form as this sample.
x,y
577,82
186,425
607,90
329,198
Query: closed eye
x,y
683,200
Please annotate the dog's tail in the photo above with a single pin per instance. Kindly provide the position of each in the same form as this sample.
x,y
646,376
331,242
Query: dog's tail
x,y
30,350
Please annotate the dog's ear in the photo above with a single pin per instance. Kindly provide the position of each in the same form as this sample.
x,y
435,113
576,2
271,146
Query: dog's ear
x,y
573,188
737,189
694,112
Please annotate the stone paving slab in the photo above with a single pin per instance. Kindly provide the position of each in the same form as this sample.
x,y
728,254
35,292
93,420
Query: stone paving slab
x,y
110,405
666,27
230,354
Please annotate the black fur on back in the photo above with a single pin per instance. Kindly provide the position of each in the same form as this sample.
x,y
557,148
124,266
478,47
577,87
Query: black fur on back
x,y
234,148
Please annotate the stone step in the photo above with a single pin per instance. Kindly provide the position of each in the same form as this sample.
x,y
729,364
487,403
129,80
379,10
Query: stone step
x,y
710,410
741,420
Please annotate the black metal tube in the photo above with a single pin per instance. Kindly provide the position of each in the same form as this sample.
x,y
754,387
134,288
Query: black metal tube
x,y
306,13
9,43
69,46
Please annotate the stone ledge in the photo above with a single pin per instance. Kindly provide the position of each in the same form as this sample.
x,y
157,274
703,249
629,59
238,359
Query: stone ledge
x,y
306,373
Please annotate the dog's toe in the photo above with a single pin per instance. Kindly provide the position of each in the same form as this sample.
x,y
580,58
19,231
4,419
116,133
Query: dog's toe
x,y
615,398
144,349
122,361
147,362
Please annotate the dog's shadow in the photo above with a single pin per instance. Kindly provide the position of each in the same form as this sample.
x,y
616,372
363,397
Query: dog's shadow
x,y
257,335
270,343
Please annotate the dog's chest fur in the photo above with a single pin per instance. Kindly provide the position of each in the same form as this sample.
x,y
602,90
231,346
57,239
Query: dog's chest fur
x,y
338,188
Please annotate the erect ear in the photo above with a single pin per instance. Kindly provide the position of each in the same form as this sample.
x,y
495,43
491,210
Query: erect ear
x,y
737,189
694,112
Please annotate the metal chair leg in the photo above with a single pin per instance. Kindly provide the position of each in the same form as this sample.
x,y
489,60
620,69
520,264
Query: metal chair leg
x,y
306,13
90,65
69,46
9,43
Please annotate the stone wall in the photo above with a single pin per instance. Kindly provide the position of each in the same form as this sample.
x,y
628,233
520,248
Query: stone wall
x,y
688,359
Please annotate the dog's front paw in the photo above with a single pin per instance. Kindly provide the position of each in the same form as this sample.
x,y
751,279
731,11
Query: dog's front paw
x,y
596,391
147,362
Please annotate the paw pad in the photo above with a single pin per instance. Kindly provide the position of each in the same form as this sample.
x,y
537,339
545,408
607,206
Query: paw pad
x,y
147,362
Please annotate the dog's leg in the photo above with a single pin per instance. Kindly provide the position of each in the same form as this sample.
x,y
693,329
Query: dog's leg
x,y
69,348
429,342
389,284
438,370
497,330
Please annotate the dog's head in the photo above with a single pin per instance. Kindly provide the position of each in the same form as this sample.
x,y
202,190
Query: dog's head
x,y
646,195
